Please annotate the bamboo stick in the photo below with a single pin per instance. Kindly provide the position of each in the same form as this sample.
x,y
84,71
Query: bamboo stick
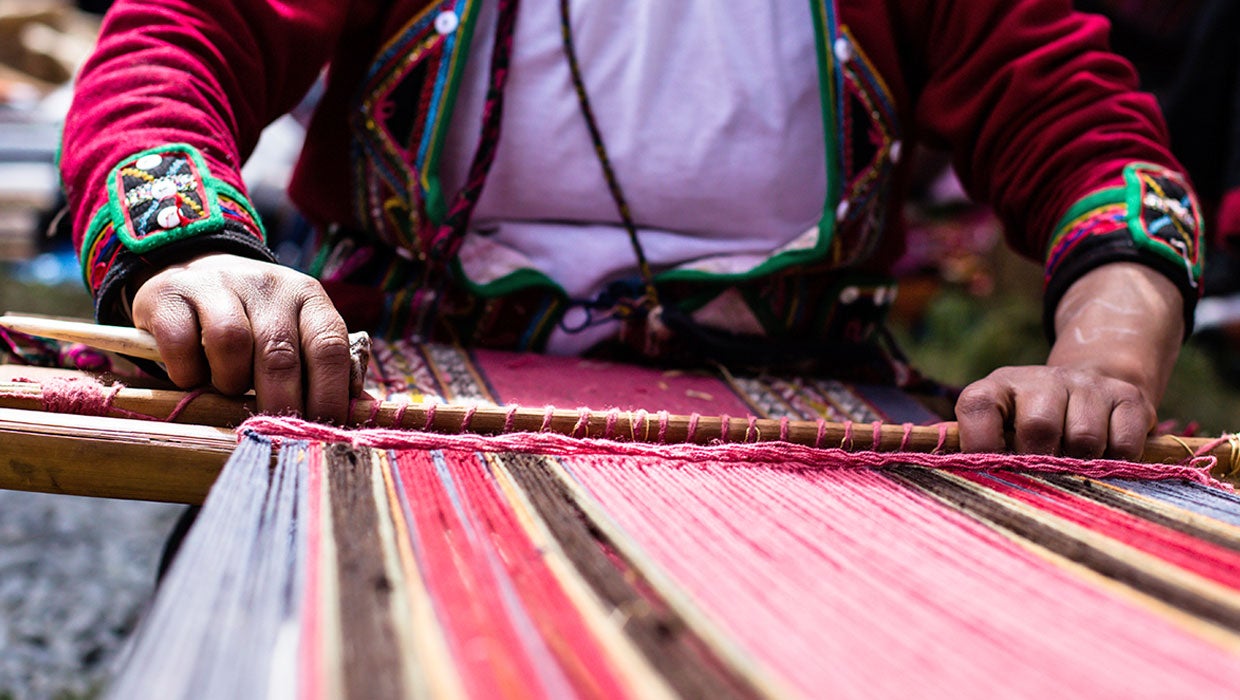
x,y
216,410
110,457
118,339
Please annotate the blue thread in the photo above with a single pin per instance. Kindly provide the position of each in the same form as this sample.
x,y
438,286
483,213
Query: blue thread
x,y
1203,500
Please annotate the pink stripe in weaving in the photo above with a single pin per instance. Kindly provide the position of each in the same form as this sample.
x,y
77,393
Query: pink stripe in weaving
x,y
486,648
478,562
576,650
311,664
847,584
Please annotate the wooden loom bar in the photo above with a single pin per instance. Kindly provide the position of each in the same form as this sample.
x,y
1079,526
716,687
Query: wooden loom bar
x,y
215,410
110,457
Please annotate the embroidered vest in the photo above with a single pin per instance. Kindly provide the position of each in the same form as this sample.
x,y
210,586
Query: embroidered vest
x,y
399,129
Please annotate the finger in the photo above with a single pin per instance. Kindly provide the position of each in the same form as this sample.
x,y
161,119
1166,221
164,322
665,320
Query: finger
x,y
1087,423
277,357
328,362
174,324
1131,422
228,341
981,416
1039,419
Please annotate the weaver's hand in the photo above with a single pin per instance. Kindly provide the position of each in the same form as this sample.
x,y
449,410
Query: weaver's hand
x,y
1118,332
239,323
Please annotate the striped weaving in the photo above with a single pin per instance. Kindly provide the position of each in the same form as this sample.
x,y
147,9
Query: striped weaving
x,y
366,573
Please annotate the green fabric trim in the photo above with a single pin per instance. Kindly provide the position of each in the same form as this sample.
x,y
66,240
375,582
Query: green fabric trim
x,y
436,206
315,268
515,281
776,263
213,221
1094,200
824,15
98,223
1137,226
824,34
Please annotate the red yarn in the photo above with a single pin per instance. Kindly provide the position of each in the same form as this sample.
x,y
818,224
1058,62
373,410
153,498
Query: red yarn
x,y
787,454
84,396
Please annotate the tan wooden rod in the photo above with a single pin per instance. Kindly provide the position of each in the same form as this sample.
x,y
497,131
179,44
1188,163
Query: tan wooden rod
x,y
212,409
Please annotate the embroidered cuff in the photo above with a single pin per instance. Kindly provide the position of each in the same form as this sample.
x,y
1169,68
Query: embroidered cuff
x,y
163,206
1153,219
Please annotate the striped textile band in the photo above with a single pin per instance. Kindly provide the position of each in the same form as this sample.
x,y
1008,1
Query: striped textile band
x,y
363,572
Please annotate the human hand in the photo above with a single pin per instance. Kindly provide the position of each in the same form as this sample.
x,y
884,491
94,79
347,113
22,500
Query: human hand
x,y
1118,332
1055,410
239,323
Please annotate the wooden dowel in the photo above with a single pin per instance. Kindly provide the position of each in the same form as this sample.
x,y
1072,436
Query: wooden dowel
x,y
110,457
118,339
216,410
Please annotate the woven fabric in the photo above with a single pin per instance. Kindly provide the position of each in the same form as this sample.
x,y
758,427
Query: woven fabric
x,y
374,573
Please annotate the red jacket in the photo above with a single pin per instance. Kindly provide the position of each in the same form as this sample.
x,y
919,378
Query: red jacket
x,y
1044,123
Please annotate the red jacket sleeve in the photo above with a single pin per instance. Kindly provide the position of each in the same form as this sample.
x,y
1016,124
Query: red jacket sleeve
x,y
1048,126
165,111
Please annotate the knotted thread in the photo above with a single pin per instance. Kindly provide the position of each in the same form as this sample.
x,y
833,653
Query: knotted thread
x,y
790,455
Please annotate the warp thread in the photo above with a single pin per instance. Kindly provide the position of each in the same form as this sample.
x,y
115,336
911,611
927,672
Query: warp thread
x,y
277,428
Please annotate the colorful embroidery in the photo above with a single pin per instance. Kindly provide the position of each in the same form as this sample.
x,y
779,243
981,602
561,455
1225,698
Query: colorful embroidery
x,y
869,132
401,121
157,197
1167,220
1101,220
99,250
1154,211
161,195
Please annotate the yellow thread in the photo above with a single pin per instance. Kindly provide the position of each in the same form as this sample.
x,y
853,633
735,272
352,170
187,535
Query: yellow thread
x,y
134,172
1183,444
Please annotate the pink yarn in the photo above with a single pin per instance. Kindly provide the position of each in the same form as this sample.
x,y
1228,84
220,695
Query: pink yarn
x,y
580,429
80,396
908,434
84,396
787,455
642,416
942,439
905,596
877,436
664,419
548,414
430,416
691,432
184,404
